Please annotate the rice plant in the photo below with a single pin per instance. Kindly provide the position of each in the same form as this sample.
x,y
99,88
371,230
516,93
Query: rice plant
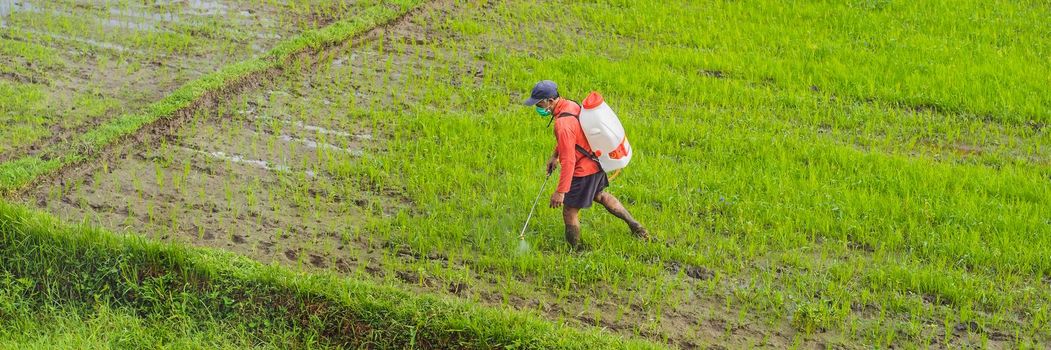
x,y
857,175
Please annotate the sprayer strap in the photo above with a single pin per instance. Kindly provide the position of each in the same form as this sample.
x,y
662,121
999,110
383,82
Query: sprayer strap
x,y
586,153
583,151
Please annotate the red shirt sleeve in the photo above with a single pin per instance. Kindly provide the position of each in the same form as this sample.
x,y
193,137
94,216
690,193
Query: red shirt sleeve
x,y
567,152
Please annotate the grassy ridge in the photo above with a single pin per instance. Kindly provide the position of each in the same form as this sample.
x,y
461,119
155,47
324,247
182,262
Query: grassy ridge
x,y
15,174
45,265
30,326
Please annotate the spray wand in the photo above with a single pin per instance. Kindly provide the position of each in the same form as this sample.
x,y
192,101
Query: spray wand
x,y
521,236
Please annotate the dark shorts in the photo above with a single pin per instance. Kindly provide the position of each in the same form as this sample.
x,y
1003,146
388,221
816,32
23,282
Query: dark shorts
x,y
584,189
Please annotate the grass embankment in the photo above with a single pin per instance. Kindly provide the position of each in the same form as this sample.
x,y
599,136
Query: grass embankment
x,y
17,173
139,293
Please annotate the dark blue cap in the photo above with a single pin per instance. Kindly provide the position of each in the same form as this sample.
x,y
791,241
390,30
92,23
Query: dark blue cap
x,y
543,90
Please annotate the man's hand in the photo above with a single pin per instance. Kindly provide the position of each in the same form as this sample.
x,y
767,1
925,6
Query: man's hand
x,y
557,198
552,164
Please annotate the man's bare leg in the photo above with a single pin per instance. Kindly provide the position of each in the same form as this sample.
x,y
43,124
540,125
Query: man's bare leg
x,y
572,218
613,206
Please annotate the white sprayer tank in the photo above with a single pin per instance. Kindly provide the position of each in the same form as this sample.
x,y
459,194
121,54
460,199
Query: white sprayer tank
x,y
605,134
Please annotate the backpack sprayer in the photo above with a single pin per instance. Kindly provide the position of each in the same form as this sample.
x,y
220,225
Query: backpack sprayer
x,y
609,145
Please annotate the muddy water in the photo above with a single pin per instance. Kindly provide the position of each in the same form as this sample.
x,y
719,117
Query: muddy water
x,y
145,16
110,62
318,129
202,7
7,7
315,144
262,179
138,18
130,25
86,41
231,187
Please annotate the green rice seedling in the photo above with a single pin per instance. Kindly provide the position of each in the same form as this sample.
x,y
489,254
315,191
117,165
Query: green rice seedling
x,y
228,193
158,172
173,220
150,213
812,180
136,184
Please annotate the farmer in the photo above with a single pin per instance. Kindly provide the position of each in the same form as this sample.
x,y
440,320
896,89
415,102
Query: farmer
x,y
581,179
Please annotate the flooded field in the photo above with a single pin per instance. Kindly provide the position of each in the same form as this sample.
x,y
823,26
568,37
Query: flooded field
x,y
811,175
66,66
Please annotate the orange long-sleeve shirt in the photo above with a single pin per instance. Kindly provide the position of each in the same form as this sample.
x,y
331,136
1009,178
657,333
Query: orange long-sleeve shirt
x,y
568,135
